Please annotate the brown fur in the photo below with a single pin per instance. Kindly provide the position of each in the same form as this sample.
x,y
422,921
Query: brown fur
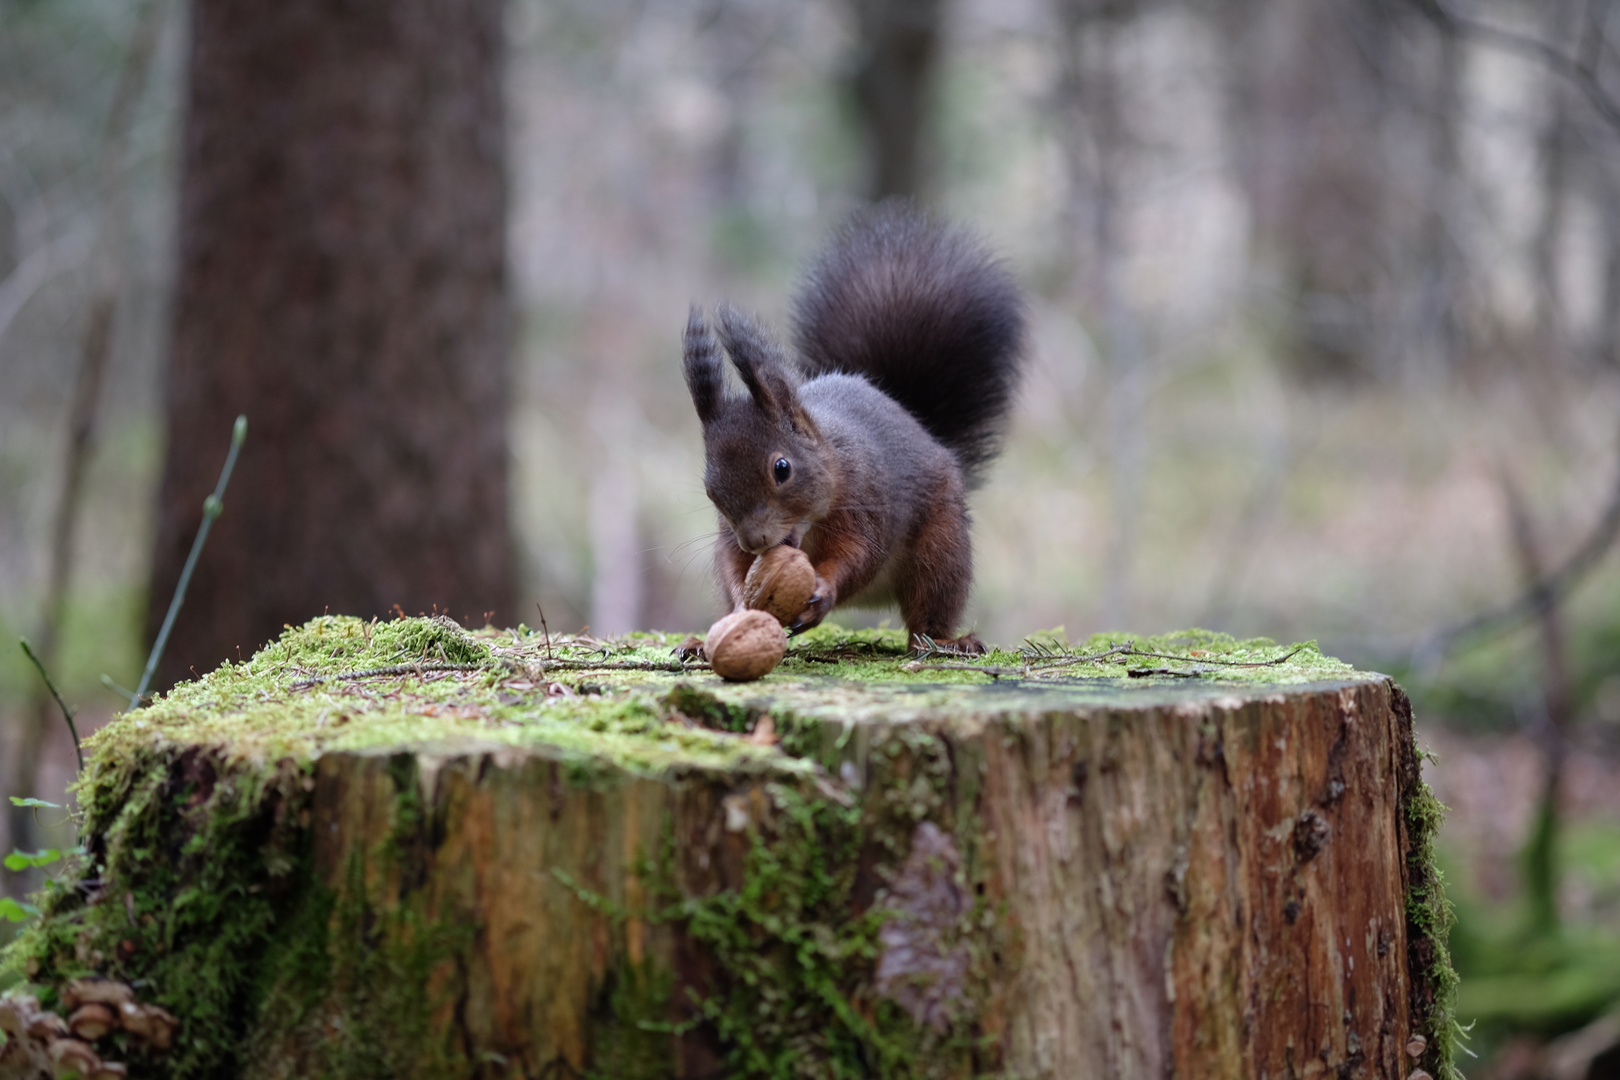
x,y
832,463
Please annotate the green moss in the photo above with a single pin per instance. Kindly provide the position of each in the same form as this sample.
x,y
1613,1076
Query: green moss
x,y
794,949
178,894
1429,921
795,997
352,989
707,709
198,891
790,990
632,1042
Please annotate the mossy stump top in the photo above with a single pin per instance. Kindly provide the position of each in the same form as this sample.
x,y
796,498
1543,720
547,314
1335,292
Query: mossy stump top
x,y
403,849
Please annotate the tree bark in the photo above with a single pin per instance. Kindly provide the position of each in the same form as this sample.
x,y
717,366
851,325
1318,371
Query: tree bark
x,y
342,282
808,876
894,84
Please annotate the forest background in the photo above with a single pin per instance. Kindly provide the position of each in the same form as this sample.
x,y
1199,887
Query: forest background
x,y
1325,298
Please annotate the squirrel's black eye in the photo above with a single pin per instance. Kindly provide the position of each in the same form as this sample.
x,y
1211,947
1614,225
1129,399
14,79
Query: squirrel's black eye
x,y
782,470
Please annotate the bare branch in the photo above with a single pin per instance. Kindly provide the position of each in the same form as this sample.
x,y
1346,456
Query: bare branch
x,y
39,266
1581,69
1540,596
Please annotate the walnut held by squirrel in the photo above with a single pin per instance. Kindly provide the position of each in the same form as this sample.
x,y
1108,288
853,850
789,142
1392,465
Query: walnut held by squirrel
x,y
861,451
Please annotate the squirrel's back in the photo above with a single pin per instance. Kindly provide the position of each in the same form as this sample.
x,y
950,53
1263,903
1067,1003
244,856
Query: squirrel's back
x,y
926,313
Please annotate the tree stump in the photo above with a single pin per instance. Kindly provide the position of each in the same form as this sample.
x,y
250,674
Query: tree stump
x,y
401,849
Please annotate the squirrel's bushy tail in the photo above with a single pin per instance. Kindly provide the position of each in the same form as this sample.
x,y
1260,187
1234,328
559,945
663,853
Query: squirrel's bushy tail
x,y
927,313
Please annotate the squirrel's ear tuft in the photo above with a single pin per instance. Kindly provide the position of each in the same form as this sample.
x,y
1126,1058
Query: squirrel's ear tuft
x,y
758,359
704,378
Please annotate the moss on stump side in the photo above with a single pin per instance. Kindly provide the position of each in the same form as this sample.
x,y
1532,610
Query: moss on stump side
x,y
497,854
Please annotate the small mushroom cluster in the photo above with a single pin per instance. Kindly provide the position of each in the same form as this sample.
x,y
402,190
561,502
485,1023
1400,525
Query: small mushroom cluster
x,y
750,643
40,1043
1414,1050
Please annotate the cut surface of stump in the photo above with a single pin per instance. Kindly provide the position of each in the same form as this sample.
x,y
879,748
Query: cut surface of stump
x,y
506,854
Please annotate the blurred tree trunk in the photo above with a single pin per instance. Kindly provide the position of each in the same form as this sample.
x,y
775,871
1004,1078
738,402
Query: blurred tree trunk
x,y
342,282
1576,172
1553,148
8,238
893,83
1312,90
1556,150
1094,131
1607,347
1439,330
110,262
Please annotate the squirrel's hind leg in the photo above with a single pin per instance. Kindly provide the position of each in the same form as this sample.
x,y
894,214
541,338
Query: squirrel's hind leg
x,y
932,583
966,645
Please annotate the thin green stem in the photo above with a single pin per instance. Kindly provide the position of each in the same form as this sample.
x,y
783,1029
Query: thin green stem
x,y
211,510
115,686
67,713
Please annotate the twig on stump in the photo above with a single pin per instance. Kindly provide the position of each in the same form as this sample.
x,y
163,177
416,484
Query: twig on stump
x,y
67,713
564,665
212,507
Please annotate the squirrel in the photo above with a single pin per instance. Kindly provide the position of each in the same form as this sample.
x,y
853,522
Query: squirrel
x,y
910,338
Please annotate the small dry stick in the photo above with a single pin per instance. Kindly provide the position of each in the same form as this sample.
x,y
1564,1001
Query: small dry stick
x,y
1051,659
1144,672
566,665
67,713
993,672
629,665
544,628
1129,649
375,673
1225,663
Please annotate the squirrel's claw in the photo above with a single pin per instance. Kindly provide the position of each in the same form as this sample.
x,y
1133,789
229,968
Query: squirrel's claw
x,y
816,608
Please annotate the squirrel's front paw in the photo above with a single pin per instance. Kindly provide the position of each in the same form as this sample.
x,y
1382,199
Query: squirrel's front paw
x,y
820,603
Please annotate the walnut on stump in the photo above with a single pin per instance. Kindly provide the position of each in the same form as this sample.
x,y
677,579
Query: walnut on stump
x,y
507,854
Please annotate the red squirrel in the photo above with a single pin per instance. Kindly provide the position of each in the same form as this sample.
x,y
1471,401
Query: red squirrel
x,y
910,337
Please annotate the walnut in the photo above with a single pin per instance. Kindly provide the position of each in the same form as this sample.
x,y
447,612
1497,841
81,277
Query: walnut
x,y
781,581
745,645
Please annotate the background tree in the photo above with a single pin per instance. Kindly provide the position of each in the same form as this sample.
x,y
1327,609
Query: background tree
x,y
897,52
341,281
1343,119
110,267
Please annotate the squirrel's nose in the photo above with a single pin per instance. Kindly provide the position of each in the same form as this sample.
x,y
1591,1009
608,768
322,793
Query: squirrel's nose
x,y
756,538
